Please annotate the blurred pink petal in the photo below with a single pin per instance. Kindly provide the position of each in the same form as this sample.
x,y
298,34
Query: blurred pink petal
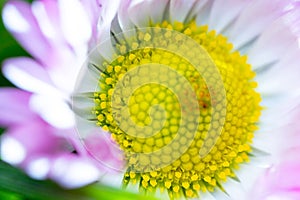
x,y
265,11
29,75
38,137
18,18
281,181
14,107
104,150
43,150
46,12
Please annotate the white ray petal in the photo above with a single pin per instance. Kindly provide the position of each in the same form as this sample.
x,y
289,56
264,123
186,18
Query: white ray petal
x,y
179,9
54,110
11,150
13,19
28,82
220,17
38,168
76,26
43,20
72,173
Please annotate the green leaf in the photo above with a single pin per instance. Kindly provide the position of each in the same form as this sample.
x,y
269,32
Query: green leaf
x,y
15,185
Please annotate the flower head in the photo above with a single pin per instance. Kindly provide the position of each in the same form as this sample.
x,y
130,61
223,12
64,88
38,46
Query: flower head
x,y
192,92
177,90
165,149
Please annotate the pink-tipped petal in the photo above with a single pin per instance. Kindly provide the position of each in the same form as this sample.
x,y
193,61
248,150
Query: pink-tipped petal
x,y
36,137
223,13
75,23
276,40
46,13
179,9
14,106
292,18
292,195
284,74
49,104
29,75
19,20
254,19
281,181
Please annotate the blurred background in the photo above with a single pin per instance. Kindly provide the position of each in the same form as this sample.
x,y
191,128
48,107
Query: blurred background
x,y
8,47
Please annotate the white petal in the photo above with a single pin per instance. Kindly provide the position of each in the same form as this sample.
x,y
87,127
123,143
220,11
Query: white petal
x,y
28,81
109,12
271,45
142,12
38,168
43,20
254,19
202,17
180,9
247,174
123,18
65,72
113,180
276,197
282,77
224,12
105,22
74,173
54,110
13,19
75,22
11,150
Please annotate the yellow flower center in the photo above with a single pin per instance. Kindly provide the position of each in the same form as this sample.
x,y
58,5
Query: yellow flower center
x,y
176,132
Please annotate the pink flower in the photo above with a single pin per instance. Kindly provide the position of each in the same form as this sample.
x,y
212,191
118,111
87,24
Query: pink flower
x,y
41,136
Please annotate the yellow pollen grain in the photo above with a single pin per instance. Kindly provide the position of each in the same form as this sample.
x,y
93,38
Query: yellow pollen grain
x,y
168,184
196,187
176,188
153,182
103,105
178,174
186,185
189,193
132,57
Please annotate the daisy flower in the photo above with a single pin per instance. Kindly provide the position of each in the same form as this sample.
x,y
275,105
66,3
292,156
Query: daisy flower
x,y
41,136
200,96
197,94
